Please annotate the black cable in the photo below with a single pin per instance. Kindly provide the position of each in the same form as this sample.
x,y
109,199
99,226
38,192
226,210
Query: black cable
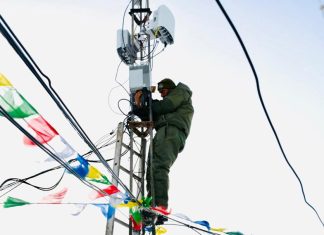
x,y
5,29
24,181
264,108
4,184
30,177
118,104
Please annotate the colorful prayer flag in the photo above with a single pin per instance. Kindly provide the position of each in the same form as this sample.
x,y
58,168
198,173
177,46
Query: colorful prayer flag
x,y
203,223
55,198
61,148
4,81
15,104
80,166
44,132
111,189
96,176
12,202
160,230
107,210
135,226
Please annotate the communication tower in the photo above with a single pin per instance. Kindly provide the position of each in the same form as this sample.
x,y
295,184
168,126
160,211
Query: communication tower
x,y
134,48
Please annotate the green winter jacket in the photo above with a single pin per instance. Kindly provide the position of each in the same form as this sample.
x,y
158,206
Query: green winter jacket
x,y
175,109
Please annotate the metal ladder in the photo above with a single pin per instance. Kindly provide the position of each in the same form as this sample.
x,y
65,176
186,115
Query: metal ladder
x,y
135,171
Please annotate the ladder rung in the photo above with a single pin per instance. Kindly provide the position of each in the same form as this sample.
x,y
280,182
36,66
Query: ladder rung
x,y
136,153
128,172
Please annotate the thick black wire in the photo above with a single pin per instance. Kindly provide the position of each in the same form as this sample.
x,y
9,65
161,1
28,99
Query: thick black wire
x,y
24,181
4,184
59,102
264,108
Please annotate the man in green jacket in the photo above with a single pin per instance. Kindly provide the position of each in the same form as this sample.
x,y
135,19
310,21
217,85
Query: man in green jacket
x,y
172,118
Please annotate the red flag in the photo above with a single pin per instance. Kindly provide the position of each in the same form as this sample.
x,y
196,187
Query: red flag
x,y
111,189
55,198
44,132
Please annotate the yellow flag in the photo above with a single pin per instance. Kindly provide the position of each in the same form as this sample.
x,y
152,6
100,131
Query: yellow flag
x,y
218,229
94,173
129,205
4,81
160,230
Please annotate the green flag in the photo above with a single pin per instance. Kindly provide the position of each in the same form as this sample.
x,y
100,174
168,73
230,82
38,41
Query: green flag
x,y
12,202
15,104
136,214
103,179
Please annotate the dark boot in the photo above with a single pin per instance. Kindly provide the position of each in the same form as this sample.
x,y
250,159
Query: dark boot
x,y
149,218
161,219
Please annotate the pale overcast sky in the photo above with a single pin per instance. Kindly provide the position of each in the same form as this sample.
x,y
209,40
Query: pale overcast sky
x,y
231,172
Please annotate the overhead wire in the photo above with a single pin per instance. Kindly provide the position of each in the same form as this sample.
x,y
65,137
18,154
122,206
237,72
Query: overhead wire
x,y
5,184
30,63
264,107
17,182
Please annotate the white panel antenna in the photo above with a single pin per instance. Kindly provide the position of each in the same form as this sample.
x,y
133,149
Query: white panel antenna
x,y
162,25
126,51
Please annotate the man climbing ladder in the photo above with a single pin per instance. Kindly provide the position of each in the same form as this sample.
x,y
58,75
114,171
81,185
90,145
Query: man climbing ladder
x,y
172,118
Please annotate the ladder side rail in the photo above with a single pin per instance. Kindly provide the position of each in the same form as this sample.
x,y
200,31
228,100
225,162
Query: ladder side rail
x,y
116,167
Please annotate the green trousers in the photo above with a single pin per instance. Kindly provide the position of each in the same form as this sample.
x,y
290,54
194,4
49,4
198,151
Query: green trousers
x,y
167,143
